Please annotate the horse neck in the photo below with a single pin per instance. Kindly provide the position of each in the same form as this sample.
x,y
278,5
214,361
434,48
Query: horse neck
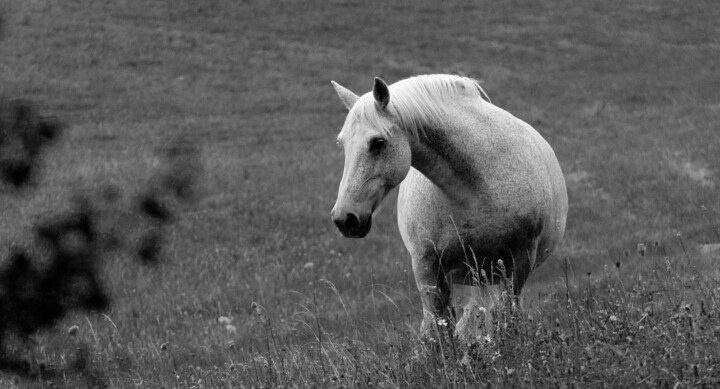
x,y
446,156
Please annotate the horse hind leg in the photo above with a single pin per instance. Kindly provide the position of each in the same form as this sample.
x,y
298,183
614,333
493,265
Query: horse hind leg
x,y
524,261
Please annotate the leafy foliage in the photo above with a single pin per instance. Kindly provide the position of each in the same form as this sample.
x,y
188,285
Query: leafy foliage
x,y
74,245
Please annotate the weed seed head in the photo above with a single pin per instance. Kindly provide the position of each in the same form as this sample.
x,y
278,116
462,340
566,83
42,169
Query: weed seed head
x,y
73,330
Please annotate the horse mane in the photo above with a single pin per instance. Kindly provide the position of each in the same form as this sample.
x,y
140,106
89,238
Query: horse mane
x,y
416,103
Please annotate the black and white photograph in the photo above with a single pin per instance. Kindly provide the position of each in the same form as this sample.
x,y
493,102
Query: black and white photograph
x,y
237,194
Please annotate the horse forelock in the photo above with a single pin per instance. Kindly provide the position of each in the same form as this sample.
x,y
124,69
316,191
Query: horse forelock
x,y
415,103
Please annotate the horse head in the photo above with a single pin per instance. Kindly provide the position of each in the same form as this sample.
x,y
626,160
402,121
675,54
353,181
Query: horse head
x,y
377,158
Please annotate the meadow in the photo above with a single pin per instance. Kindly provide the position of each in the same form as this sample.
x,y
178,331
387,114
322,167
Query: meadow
x,y
257,288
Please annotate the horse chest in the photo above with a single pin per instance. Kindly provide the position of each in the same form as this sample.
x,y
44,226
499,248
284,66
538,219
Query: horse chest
x,y
431,223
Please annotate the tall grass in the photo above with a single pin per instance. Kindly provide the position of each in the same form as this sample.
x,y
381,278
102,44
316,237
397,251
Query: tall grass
x,y
649,321
653,326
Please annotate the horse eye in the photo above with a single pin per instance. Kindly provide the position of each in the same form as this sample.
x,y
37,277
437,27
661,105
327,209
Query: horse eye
x,y
376,144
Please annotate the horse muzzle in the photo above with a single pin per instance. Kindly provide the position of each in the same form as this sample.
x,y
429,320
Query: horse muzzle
x,y
353,226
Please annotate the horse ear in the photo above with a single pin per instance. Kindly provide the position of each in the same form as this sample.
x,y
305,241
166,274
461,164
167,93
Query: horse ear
x,y
381,93
346,96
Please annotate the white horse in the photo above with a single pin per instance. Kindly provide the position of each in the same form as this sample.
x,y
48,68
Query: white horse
x,y
478,184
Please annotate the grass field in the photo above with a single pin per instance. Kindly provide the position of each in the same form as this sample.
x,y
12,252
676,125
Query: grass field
x,y
626,92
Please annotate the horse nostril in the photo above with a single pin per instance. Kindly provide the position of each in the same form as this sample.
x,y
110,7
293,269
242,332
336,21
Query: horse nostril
x,y
351,221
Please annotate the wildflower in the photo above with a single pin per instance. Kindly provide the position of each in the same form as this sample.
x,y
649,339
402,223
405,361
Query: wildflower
x,y
72,331
224,320
442,322
416,357
613,318
308,265
261,360
641,249
231,329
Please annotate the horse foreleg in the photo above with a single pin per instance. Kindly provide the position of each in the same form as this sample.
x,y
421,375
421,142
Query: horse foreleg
x,y
435,293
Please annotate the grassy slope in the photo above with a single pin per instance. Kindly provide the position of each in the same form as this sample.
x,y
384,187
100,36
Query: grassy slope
x,y
626,92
